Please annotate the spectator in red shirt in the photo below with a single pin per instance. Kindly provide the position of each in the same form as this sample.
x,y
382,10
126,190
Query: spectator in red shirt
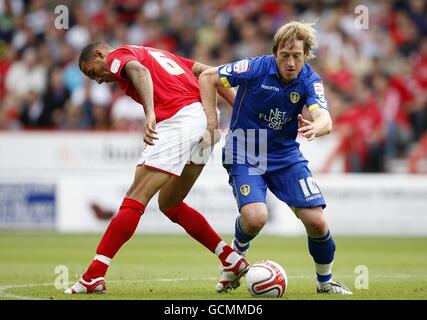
x,y
420,64
362,124
396,123
414,100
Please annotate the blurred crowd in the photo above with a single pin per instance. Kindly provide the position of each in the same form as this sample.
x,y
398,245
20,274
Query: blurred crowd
x,y
374,67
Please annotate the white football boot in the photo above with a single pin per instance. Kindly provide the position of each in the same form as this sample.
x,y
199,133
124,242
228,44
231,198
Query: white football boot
x,y
230,275
333,287
95,286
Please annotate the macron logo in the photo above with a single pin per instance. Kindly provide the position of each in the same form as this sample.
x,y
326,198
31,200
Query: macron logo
x,y
263,86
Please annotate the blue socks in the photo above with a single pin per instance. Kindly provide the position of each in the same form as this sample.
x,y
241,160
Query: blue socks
x,y
241,240
322,250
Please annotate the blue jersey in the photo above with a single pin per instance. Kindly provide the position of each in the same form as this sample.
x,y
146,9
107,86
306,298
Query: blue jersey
x,y
263,101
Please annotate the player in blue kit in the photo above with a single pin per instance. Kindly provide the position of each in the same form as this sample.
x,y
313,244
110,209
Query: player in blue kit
x,y
261,151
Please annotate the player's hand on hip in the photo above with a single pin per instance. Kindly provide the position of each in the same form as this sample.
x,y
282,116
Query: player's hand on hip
x,y
306,128
150,129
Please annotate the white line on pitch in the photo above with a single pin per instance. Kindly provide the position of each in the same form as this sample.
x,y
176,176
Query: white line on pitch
x,y
17,286
4,288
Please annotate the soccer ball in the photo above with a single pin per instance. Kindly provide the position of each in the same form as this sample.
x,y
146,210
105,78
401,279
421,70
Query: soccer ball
x,y
266,279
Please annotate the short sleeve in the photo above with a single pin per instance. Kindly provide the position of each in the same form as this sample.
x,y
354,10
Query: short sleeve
x,y
316,94
187,62
239,72
118,59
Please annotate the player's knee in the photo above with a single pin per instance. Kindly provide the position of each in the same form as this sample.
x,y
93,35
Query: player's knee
x,y
165,207
170,209
166,204
255,221
316,226
139,193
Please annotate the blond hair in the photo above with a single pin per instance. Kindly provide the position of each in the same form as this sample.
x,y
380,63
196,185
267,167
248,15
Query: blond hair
x,y
295,31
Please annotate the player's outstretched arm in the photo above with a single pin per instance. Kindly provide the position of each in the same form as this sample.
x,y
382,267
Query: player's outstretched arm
x,y
141,79
227,93
320,126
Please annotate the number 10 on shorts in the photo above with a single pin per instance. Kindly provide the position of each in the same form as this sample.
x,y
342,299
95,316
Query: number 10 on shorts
x,y
308,186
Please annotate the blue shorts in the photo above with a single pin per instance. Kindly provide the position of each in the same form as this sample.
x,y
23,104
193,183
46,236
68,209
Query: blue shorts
x,y
293,185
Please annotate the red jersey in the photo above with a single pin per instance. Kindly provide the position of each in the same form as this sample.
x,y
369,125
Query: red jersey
x,y
174,85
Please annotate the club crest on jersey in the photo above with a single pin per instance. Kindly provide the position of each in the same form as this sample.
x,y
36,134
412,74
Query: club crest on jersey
x,y
226,70
245,189
294,97
241,66
115,65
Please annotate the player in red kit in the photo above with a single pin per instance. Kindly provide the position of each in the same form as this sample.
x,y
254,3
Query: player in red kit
x,y
166,86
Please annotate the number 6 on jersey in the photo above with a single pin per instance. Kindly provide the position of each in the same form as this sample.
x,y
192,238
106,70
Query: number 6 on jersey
x,y
168,64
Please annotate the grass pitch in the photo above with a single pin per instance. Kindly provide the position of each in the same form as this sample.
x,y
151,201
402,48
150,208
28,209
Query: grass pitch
x,y
162,267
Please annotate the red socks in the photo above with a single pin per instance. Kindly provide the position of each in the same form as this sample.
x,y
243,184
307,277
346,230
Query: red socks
x,y
120,230
123,226
195,225
199,228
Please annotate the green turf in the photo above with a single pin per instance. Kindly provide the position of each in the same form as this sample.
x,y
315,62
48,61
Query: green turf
x,y
176,267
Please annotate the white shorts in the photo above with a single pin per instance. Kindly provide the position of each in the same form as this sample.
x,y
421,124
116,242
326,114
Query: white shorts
x,y
179,142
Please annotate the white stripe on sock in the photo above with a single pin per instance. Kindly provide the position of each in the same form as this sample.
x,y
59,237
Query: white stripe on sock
x,y
219,248
103,259
324,269
241,244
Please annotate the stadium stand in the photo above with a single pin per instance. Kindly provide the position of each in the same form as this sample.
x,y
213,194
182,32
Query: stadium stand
x,y
376,78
